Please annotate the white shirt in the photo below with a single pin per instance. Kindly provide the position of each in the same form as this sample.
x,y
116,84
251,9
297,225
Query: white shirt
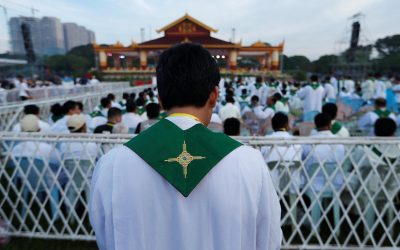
x,y
396,89
282,107
229,111
37,150
44,127
284,154
60,126
131,120
380,89
330,91
324,153
368,89
234,207
343,132
312,99
262,113
79,150
23,89
367,121
350,86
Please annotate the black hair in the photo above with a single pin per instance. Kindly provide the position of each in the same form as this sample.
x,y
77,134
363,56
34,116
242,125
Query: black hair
x,y
385,127
258,79
111,96
279,121
153,110
132,96
130,106
113,112
105,102
56,110
255,98
68,105
230,99
232,126
322,120
314,78
380,102
125,96
140,101
31,110
331,109
244,91
80,105
277,96
186,75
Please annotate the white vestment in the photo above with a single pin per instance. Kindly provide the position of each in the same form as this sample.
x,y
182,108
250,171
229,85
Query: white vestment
x,y
234,207
312,98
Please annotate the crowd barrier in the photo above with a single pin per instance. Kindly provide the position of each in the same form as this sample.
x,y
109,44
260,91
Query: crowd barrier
x,y
40,93
334,193
10,114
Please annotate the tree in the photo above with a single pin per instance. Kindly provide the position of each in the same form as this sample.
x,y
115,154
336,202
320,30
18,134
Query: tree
x,y
388,46
296,63
325,64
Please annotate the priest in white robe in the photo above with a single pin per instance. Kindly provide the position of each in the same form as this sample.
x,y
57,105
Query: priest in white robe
x,y
189,188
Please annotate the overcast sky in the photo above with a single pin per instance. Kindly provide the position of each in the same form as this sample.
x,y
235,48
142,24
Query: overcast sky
x,y
309,27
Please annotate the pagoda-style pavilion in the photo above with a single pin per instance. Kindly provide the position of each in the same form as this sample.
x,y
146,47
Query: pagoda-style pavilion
x,y
135,57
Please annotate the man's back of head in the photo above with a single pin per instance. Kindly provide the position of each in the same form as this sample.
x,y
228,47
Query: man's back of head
x,y
232,127
280,122
153,111
31,110
385,127
330,109
186,75
323,122
114,115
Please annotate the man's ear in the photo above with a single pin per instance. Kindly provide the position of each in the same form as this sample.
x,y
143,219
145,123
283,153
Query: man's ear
x,y
213,99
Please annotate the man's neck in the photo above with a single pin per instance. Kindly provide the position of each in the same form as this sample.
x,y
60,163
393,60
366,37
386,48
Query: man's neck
x,y
201,113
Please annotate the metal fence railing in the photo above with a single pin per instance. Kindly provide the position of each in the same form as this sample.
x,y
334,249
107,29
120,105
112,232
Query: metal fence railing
x,y
10,114
40,93
334,193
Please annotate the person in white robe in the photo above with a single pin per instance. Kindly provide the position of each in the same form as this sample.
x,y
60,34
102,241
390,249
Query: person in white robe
x,y
60,126
337,128
229,110
323,154
130,119
367,121
312,96
234,206
289,155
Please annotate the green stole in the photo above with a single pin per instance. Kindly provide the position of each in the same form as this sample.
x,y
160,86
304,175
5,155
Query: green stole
x,y
314,85
382,113
244,97
336,127
140,110
258,85
167,149
386,159
96,114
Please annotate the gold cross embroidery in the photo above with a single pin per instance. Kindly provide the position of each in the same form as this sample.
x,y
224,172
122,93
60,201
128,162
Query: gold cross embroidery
x,y
184,159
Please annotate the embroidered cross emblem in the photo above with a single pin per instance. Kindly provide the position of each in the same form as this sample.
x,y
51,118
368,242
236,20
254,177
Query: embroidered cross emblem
x,y
184,159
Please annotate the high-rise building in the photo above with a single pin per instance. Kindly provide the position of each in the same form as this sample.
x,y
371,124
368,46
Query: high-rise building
x,y
52,36
49,35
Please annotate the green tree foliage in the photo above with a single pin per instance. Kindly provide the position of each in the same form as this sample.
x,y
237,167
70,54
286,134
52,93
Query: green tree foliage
x,y
296,63
77,61
325,64
388,46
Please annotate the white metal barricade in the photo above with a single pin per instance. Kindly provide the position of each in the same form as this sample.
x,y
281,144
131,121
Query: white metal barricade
x,y
334,193
40,93
11,114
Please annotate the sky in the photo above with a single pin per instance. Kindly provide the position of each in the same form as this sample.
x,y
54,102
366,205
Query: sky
x,y
308,27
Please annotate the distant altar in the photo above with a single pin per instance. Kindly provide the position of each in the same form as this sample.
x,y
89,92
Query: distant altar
x,y
142,57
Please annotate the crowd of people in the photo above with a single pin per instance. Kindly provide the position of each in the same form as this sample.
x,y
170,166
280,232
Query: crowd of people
x,y
24,85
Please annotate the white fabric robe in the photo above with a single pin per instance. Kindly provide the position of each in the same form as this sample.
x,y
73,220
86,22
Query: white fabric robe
x,y
312,98
235,206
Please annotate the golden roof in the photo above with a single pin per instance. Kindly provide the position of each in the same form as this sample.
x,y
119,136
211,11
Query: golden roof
x,y
187,16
